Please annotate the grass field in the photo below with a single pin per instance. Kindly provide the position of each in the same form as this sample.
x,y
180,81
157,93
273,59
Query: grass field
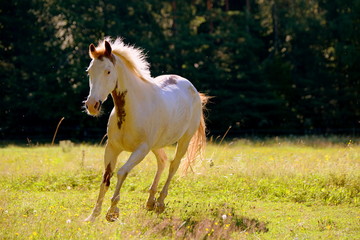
x,y
276,188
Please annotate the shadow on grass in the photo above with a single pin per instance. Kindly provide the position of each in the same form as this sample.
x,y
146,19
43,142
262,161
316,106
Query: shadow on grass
x,y
221,227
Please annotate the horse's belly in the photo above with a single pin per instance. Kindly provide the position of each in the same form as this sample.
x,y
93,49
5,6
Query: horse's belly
x,y
169,138
171,132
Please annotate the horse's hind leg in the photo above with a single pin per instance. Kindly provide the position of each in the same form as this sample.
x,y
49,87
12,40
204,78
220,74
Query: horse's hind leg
x,y
161,161
174,165
111,154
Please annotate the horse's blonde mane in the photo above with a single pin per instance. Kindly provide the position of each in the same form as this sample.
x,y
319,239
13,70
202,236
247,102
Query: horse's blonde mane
x,y
133,57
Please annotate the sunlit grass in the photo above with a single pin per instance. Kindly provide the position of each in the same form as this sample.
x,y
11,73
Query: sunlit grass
x,y
294,188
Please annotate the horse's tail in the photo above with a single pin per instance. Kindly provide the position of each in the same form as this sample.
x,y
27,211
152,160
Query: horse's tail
x,y
198,141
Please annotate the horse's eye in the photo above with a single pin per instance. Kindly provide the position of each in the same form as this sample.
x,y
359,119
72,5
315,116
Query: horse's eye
x,y
108,72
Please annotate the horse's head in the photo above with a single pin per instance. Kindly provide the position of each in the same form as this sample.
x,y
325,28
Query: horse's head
x,y
102,76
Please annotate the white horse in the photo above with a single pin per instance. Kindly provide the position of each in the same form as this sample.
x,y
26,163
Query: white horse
x,y
148,114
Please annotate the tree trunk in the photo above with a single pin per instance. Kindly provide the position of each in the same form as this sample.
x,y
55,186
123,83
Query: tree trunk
x,y
275,27
174,30
209,6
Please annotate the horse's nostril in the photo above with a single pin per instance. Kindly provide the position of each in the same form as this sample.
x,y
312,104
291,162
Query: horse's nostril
x,y
86,106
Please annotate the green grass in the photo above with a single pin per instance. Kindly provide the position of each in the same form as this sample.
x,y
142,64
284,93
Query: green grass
x,y
276,188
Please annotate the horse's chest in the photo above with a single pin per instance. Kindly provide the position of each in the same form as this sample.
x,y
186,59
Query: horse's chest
x,y
124,138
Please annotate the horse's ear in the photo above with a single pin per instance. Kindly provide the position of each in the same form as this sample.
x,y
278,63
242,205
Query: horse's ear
x,y
92,50
107,49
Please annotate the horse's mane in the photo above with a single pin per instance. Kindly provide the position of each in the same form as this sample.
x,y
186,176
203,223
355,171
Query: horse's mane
x,y
133,57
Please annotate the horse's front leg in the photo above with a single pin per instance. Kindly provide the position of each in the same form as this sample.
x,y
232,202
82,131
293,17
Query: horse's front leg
x,y
111,154
135,158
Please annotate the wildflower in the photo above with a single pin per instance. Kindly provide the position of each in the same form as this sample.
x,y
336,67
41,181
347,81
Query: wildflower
x,y
68,221
34,233
224,217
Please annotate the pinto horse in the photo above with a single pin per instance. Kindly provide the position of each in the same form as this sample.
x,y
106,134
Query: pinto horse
x,y
148,114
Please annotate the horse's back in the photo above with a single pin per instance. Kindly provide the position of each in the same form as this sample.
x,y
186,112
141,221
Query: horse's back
x,y
178,93
177,86
183,107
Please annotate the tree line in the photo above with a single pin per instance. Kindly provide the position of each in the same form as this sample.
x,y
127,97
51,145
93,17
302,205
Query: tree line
x,y
277,65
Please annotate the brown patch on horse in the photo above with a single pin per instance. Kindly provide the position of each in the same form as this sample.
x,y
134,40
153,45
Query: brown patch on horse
x,y
170,81
107,175
101,51
119,102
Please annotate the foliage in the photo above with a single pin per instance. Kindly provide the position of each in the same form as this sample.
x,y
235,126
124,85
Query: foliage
x,y
280,64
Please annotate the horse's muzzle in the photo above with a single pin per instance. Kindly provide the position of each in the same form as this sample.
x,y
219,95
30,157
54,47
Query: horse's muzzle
x,y
92,106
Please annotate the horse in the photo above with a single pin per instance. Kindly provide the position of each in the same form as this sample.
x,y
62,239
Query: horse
x,y
148,115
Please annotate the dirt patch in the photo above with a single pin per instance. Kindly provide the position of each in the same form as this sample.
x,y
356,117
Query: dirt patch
x,y
221,227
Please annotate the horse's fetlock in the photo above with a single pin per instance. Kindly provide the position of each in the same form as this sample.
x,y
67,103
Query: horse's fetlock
x,y
115,200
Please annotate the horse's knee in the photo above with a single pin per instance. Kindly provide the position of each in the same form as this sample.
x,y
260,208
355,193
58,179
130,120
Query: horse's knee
x,y
122,174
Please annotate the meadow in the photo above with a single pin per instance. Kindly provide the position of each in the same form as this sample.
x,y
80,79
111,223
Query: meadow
x,y
274,188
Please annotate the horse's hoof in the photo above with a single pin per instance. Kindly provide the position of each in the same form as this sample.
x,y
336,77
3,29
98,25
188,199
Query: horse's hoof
x,y
113,214
90,218
150,205
160,207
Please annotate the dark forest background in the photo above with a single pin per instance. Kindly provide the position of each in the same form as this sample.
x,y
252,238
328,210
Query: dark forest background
x,y
273,66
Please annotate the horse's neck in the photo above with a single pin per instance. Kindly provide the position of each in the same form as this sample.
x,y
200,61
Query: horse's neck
x,y
137,91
